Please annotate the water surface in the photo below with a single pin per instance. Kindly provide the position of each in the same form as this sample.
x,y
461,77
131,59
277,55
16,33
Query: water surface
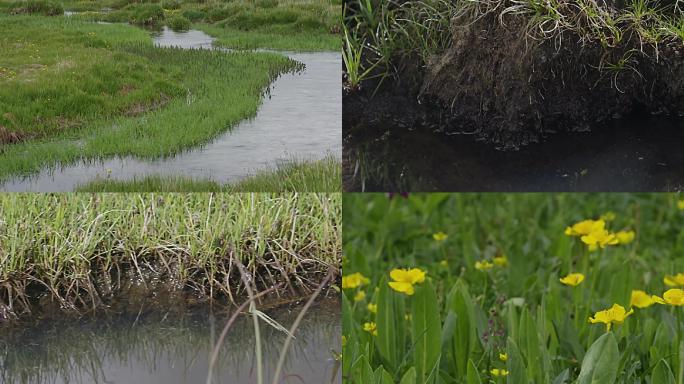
x,y
170,349
639,153
300,119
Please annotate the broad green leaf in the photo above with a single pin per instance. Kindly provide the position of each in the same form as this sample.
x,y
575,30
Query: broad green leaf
x,y
662,374
391,325
465,333
409,377
600,363
382,376
515,365
529,346
426,331
472,377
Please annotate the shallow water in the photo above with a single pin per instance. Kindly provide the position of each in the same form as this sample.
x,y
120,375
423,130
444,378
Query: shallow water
x,y
640,153
171,349
300,119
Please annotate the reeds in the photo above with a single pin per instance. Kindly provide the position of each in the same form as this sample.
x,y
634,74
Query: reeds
x,y
78,250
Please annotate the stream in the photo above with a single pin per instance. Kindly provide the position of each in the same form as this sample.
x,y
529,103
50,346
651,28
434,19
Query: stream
x,y
301,119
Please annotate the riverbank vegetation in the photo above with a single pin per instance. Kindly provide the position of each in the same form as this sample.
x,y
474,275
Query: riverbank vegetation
x,y
293,25
516,288
78,253
74,90
295,176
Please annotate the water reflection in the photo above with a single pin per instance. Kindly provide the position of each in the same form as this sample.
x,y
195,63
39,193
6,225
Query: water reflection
x,y
170,349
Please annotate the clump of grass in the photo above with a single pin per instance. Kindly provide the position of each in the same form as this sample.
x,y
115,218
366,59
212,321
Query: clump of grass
x,y
501,288
40,7
179,23
294,176
72,247
146,14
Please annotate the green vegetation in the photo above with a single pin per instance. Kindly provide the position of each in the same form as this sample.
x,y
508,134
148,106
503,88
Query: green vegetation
x,y
296,176
41,7
79,249
383,31
513,288
301,25
140,104
179,23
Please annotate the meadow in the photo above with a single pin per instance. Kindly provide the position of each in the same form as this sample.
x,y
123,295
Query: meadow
x,y
293,25
292,176
81,253
515,288
74,90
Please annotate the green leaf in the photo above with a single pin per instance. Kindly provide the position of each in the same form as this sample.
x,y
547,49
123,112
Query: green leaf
x,y
515,364
662,374
472,377
382,376
465,333
426,332
600,364
391,325
409,377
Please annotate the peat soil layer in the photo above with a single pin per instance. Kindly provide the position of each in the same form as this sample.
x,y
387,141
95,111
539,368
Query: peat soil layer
x,y
392,143
172,348
286,127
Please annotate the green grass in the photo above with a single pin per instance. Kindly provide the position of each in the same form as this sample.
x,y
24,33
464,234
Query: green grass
x,y
212,91
296,176
64,245
460,318
291,25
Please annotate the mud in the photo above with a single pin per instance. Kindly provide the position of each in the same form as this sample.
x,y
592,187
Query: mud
x,y
500,82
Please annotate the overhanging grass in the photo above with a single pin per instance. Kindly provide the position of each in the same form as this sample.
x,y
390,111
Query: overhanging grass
x,y
237,39
296,176
218,90
69,245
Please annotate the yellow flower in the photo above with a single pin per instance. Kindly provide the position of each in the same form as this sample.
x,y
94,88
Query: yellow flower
x,y
371,328
496,372
360,295
641,299
440,236
572,279
372,308
614,315
674,297
407,317
674,280
483,265
680,204
585,227
608,216
625,237
500,261
354,280
503,356
444,263
600,238
405,279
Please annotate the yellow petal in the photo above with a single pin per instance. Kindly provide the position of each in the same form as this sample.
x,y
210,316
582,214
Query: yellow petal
x,y
406,288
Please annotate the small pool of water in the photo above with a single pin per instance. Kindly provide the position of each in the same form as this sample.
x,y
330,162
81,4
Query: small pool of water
x,y
300,119
640,153
171,349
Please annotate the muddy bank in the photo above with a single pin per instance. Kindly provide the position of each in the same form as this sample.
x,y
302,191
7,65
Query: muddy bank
x,y
157,283
507,85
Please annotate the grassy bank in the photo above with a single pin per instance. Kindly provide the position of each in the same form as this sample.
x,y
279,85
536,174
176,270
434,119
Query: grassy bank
x,y
308,176
507,289
187,96
300,25
378,34
77,252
